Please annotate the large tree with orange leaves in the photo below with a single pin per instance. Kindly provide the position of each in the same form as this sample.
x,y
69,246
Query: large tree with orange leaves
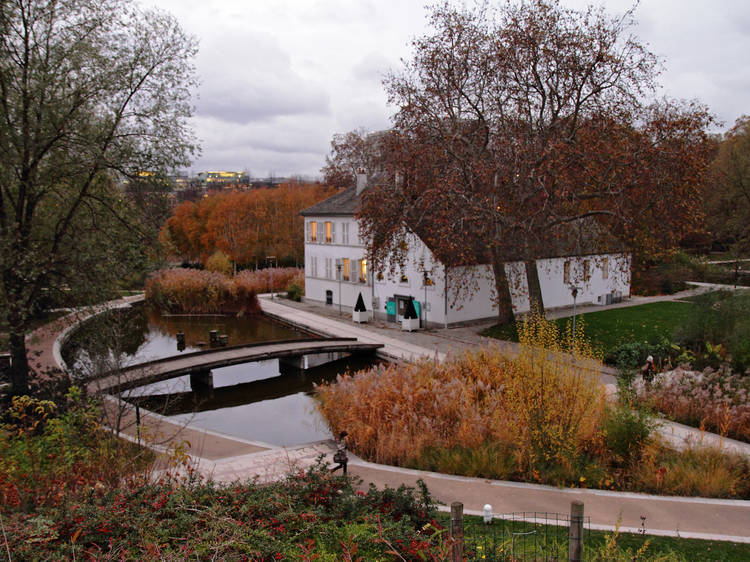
x,y
245,225
523,130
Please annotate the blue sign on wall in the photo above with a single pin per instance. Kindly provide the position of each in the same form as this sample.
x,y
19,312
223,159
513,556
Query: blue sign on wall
x,y
390,308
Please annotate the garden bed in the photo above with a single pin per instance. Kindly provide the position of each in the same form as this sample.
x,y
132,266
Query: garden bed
x,y
534,417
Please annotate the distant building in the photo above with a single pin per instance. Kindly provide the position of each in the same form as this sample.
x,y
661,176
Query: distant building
x,y
222,178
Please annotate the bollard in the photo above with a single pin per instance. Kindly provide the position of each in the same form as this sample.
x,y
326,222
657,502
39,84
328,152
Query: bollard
x,y
575,536
180,341
138,424
457,532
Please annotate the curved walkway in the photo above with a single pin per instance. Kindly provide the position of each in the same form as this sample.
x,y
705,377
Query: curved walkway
x,y
227,458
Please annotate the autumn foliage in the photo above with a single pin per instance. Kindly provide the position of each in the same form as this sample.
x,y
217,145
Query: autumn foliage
x,y
263,280
525,412
716,400
524,131
539,416
194,291
246,226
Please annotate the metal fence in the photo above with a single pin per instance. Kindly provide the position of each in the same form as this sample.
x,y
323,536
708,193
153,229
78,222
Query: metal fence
x,y
521,536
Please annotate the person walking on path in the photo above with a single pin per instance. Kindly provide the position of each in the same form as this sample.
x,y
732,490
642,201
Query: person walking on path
x,y
340,456
648,370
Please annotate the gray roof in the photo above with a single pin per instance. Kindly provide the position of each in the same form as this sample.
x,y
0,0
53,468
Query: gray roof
x,y
343,203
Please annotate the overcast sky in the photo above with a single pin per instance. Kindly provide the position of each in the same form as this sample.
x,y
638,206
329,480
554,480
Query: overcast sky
x,y
280,77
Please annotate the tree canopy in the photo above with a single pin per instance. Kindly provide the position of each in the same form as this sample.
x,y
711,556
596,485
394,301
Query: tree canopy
x,y
527,130
246,226
729,199
91,92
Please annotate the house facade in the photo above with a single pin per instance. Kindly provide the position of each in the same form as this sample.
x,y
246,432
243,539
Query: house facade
x,y
337,271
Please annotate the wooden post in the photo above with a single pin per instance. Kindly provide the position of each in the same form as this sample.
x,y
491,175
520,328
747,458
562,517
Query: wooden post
x,y
575,537
457,531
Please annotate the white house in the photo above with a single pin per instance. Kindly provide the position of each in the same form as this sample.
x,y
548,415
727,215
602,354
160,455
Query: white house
x,y
336,272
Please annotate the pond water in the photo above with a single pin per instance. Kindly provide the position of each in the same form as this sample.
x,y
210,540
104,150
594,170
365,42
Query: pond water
x,y
257,401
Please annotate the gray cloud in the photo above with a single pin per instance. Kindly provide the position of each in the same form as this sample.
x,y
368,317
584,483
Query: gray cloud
x,y
247,76
280,77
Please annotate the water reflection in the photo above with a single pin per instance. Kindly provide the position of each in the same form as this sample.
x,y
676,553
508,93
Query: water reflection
x,y
254,401
137,334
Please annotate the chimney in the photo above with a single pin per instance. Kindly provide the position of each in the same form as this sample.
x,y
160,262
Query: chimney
x,y
361,181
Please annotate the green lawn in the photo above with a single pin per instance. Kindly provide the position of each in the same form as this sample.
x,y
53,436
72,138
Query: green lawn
x,y
476,533
609,328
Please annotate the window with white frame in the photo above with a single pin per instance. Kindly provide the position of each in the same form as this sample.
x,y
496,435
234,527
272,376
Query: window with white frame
x,y
313,231
363,271
345,269
345,233
586,270
605,268
329,268
566,272
330,234
313,266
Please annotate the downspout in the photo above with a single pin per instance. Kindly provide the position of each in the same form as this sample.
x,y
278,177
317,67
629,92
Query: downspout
x,y
445,297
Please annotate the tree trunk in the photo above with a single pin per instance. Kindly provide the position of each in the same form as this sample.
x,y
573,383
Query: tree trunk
x,y
504,302
535,288
19,369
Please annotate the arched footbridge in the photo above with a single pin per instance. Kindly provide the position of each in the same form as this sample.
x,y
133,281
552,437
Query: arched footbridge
x,y
298,353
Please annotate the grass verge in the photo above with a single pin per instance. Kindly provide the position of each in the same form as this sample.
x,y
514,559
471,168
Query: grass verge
x,y
598,545
608,329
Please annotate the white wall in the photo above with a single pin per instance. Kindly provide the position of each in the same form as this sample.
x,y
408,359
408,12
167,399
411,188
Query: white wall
x,y
478,302
556,292
318,282
419,260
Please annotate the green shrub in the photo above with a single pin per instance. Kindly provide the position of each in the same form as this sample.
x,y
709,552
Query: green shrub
x,y
487,460
626,432
632,355
720,317
50,454
294,292
218,262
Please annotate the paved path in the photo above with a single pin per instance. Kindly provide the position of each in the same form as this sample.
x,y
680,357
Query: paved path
x,y
227,458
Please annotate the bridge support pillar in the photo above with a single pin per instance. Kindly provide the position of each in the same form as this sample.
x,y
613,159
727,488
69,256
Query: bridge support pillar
x,y
201,380
303,362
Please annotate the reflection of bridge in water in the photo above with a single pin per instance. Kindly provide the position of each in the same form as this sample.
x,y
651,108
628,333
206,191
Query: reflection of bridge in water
x,y
290,381
299,354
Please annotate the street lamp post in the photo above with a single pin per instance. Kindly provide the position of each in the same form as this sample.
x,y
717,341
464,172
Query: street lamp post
x,y
269,260
574,292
